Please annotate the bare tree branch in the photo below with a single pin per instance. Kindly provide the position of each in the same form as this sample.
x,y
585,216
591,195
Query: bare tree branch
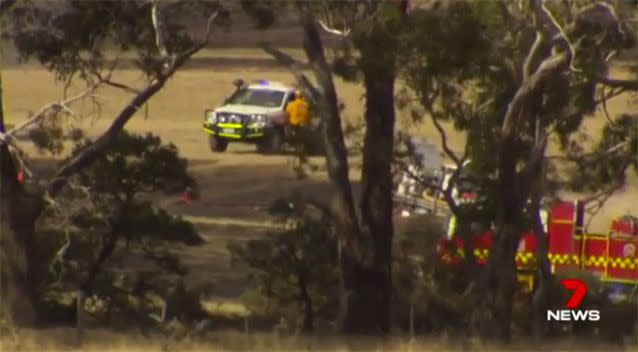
x,y
590,158
295,67
517,107
604,103
179,60
596,202
444,144
61,105
114,84
625,84
94,150
159,30
533,54
341,33
332,132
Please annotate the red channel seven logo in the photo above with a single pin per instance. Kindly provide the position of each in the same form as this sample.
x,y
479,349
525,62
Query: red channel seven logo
x,y
571,313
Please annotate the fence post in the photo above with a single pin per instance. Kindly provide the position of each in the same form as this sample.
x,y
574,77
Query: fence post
x,y
80,317
411,320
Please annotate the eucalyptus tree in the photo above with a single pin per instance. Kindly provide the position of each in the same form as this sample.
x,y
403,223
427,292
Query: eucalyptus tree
x,y
76,40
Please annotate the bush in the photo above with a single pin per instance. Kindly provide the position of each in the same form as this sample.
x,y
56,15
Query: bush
x,y
421,280
293,276
102,222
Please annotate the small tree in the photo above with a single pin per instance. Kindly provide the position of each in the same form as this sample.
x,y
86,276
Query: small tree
x,y
293,274
103,221
75,40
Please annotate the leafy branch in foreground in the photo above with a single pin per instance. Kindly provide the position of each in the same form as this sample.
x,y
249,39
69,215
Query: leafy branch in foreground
x,y
109,224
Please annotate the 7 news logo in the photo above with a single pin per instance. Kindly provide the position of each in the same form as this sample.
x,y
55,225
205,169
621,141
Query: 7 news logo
x,y
572,313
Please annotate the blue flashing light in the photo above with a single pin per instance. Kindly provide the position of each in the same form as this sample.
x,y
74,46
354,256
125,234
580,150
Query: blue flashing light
x,y
262,82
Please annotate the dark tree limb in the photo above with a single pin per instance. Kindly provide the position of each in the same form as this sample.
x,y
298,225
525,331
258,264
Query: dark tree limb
x,y
7,137
90,153
624,84
295,67
119,85
517,108
444,144
336,155
95,149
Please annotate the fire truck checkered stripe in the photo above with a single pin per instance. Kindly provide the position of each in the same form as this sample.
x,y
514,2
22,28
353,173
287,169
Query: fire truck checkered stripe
x,y
623,263
595,261
563,258
529,257
481,253
525,257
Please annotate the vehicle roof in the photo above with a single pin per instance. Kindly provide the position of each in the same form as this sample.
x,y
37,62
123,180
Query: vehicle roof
x,y
272,85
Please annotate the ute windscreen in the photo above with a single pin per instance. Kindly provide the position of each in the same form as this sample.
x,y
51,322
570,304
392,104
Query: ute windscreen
x,y
258,97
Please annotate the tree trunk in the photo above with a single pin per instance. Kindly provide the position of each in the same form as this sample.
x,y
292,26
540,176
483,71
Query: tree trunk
x,y
371,284
337,167
365,245
501,267
309,314
19,211
541,297
505,283
103,256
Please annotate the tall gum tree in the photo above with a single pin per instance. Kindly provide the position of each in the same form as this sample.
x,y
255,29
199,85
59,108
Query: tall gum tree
x,y
73,39
365,228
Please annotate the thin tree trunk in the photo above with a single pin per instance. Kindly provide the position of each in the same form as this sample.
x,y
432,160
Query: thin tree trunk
x,y
103,256
336,163
541,297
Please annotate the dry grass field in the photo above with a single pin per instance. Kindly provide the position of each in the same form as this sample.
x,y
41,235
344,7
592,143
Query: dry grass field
x,y
235,186
239,176
58,340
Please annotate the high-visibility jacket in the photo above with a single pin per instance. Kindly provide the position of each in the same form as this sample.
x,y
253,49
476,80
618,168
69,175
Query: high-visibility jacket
x,y
298,112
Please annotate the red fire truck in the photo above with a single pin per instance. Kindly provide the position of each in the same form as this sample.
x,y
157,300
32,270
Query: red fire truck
x,y
612,256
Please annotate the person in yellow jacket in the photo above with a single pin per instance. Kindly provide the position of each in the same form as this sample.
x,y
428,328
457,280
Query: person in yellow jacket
x,y
298,110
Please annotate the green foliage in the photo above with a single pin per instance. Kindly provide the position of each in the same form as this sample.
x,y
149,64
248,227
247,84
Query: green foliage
x,y
422,281
135,164
463,62
48,137
284,267
75,37
107,224
611,158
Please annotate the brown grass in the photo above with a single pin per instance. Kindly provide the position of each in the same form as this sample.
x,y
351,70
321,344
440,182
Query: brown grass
x,y
176,114
103,340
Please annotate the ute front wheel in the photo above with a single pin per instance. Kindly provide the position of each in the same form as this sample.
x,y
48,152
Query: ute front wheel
x,y
217,144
